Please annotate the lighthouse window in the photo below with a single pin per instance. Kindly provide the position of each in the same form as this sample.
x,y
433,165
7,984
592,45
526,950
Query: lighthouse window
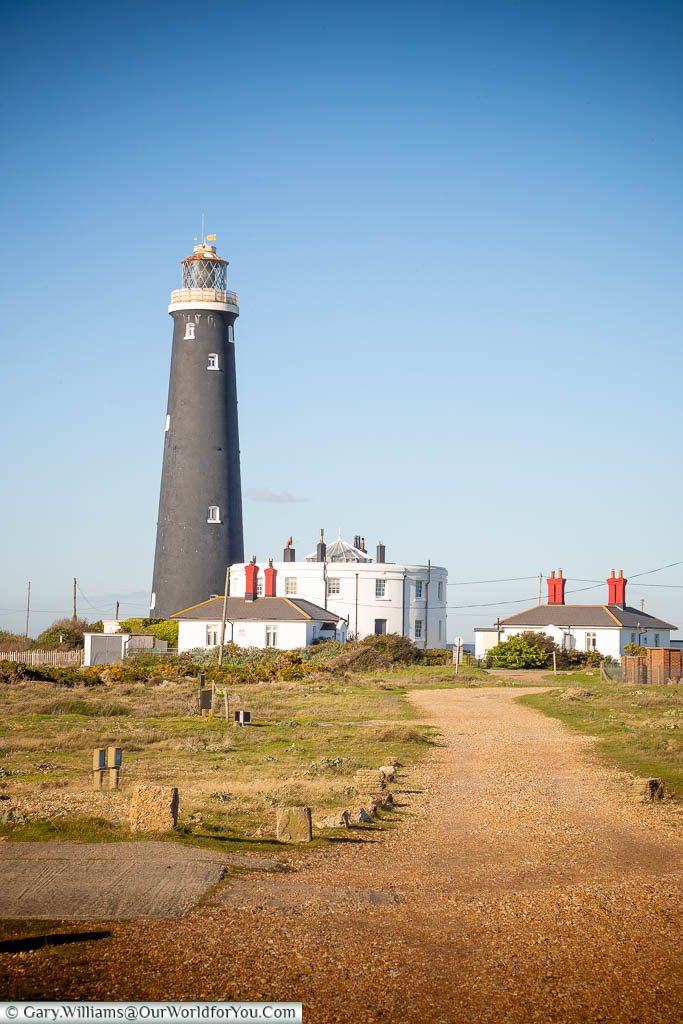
x,y
214,515
189,331
231,333
213,361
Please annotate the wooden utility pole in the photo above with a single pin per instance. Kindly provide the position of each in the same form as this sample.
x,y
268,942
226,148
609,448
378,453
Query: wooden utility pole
x,y
117,611
540,586
28,607
75,615
225,612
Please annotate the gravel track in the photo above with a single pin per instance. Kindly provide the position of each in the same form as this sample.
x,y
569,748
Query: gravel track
x,y
524,883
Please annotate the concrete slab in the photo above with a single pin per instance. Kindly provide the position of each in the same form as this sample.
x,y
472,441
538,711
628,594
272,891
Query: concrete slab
x,y
105,881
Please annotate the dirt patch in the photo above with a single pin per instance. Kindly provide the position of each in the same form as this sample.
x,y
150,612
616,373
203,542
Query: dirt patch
x,y
533,889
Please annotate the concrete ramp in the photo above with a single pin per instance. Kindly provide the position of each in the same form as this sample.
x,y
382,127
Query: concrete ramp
x,y
105,881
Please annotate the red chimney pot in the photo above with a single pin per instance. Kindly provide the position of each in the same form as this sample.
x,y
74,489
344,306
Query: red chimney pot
x,y
250,578
616,588
271,579
556,585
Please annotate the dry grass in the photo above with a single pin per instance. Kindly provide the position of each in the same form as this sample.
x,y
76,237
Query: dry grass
x,y
308,739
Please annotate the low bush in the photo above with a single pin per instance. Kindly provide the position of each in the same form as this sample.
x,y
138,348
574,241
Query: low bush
x,y
16,672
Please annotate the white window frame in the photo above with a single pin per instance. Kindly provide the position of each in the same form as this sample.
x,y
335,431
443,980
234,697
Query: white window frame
x,y
212,361
591,641
333,586
190,328
380,588
419,623
290,586
212,635
259,586
214,514
271,635
418,589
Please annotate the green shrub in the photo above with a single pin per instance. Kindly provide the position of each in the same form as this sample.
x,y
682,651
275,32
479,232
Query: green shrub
x,y
15,641
66,634
162,629
520,651
16,672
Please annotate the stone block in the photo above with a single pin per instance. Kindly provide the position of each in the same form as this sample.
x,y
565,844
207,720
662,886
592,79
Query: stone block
x,y
293,825
369,780
331,821
153,808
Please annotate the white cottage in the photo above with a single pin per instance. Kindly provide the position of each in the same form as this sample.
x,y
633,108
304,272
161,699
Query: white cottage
x,y
374,596
253,620
606,628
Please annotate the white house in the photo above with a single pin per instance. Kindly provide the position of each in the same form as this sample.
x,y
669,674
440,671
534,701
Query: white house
x,y
606,628
253,620
373,595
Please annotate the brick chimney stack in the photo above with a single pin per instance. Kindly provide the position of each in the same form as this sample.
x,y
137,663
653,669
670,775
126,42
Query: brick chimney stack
x,y
616,589
556,585
250,578
271,579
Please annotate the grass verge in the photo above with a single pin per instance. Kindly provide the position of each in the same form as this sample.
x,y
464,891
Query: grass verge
x,y
639,729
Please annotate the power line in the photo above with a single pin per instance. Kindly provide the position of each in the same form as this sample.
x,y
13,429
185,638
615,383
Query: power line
x,y
476,583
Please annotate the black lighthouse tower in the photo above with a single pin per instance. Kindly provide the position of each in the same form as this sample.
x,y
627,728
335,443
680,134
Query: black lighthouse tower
x,y
199,530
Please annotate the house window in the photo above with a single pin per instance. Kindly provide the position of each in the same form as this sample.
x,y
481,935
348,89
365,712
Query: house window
x,y
633,638
214,515
189,331
271,636
380,627
418,629
656,639
591,641
290,584
333,585
418,589
380,588
212,636
259,587
644,639
440,590
212,363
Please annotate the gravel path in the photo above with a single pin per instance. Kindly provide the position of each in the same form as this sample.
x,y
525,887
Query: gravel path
x,y
525,883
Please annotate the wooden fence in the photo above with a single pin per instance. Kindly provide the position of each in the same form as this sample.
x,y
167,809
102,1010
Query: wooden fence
x,y
62,658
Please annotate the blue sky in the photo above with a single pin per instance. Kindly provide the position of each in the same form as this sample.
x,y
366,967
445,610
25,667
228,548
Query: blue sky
x,y
455,231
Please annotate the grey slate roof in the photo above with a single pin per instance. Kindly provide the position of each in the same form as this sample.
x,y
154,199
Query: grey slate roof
x,y
604,615
263,609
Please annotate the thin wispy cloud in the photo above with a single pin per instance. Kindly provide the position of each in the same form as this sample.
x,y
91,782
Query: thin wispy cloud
x,y
265,494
